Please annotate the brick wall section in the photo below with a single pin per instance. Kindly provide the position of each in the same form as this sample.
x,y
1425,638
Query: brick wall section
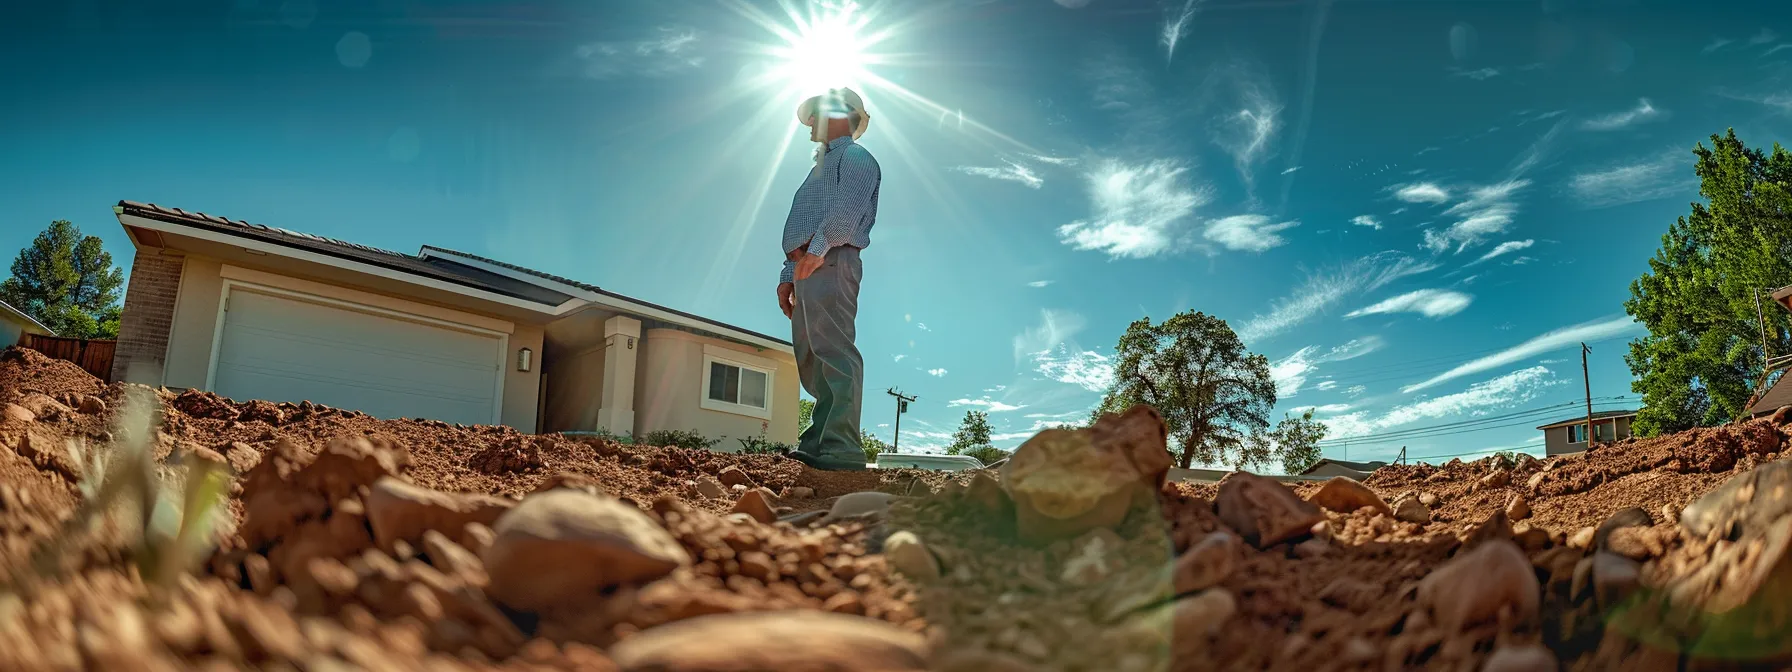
x,y
148,316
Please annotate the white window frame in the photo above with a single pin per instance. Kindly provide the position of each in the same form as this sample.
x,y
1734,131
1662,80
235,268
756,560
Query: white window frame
x,y
713,355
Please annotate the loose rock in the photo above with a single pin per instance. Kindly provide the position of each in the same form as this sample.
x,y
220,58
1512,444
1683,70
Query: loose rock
x,y
772,640
907,554
1206,563
1412,510
1518,509
1067,482
1263,511
561,546
401,511
1478,583
859,504
1520,658
1346,495
732,476
757,503
19,414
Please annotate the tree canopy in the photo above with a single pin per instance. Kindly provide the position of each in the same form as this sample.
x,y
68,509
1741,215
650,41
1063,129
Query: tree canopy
x,y
1702,357
973,434
1213,394
67,282
1297,440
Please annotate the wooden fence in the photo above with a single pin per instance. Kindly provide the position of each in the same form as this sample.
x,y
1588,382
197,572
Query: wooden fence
x,y
93,356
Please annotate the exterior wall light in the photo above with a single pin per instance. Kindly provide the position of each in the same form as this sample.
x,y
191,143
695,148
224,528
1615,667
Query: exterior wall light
x,y
524,358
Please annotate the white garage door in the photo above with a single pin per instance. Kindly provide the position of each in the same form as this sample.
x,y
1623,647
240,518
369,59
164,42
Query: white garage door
x,y
285,349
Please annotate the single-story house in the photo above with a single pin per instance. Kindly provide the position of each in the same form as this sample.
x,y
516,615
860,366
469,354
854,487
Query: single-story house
x,y
1570,436
1780,392
255,312
14,324
1327,467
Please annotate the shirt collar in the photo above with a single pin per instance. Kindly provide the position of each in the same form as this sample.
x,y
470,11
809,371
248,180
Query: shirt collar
x,y
839,142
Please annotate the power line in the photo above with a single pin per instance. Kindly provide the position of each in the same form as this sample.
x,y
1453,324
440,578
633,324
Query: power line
x,y
1471,422
1469,430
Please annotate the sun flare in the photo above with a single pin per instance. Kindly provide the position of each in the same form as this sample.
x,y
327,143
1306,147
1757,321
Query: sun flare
x,y
825,50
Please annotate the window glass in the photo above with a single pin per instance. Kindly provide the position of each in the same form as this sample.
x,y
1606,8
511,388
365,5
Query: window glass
x,y
724,383
752,388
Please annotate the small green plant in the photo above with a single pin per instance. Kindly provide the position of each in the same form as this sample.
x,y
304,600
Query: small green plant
x,y
872,446
604,434
691,439
759,445
987,454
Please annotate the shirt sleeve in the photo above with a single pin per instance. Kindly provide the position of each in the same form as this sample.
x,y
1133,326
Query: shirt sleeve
x,y
789,272
847,199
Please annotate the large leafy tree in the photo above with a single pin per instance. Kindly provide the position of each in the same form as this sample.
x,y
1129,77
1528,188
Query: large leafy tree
x,y
1702,358
1213,394
66,281
805,415
973,434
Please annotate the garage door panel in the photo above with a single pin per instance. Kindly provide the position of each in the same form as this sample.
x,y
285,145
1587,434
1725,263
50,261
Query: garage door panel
x,y
285,349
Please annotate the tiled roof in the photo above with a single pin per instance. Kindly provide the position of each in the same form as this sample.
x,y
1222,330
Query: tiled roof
x,y
1778,395
448,272
1582,419
1364,467
519,269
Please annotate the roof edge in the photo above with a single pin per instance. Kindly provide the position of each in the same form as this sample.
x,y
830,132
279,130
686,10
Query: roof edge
x,y
28,318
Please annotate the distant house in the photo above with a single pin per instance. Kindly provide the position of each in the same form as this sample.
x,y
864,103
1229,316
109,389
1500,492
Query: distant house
x,y
1570,436
255,312
1326,468
14,324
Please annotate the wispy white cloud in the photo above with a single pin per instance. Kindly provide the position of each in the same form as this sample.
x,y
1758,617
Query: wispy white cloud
x,y
922,326
986,404
1039,283
1366,220
898,358
1479,399
1356,390
670,51
1432,303
1489,210
1421,192
1053,160
1326,385
1247,233
1766,36
1644,111
1087,369
1716,44
937,373
1323,290
1138,210
997,388
1478,74
1248,133
1290,170
1549,342
1502,249
1291,373
1176,24
1010,172
1663,175
1055,328
1321,410
1776,49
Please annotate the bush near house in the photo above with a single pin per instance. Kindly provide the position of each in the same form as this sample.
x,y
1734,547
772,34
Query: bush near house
x,y
680,438
988,455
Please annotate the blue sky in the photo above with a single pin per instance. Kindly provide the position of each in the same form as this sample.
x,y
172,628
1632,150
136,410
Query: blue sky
x,y
1416,210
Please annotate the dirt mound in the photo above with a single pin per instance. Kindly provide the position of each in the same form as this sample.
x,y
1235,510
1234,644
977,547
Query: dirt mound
x,y
384,544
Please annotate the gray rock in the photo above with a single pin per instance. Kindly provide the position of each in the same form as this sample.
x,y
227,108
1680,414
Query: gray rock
x,y
563,545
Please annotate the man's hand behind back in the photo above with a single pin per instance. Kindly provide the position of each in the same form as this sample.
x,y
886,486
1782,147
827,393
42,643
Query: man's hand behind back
x,y
787,297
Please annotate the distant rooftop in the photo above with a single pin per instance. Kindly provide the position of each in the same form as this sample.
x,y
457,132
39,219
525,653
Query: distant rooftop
x,y
1582,419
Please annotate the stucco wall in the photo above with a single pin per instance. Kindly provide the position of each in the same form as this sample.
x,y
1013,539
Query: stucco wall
x,y
669,390
10,332
195,321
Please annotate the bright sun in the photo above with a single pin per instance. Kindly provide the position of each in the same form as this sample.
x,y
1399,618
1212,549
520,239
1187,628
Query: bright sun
x,y
824,51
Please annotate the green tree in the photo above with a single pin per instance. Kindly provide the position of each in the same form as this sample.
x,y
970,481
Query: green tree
x,y
1297,440
972,434
1213,394
805,415
1702,357
67,282
872,445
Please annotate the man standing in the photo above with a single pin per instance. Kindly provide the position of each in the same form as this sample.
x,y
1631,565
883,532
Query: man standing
x,y
830,222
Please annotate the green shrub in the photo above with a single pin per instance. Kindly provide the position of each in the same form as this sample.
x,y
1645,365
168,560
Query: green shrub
x,y
669,438
759,445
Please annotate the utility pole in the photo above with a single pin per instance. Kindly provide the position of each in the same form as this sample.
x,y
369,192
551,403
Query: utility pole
x,y
1583,374
1762,319
901,407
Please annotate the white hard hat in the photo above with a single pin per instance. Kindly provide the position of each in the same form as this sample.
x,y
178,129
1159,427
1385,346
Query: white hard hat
x,y
840,101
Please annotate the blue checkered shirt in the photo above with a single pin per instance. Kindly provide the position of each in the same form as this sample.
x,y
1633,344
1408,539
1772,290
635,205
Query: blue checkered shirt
x,y
836,205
